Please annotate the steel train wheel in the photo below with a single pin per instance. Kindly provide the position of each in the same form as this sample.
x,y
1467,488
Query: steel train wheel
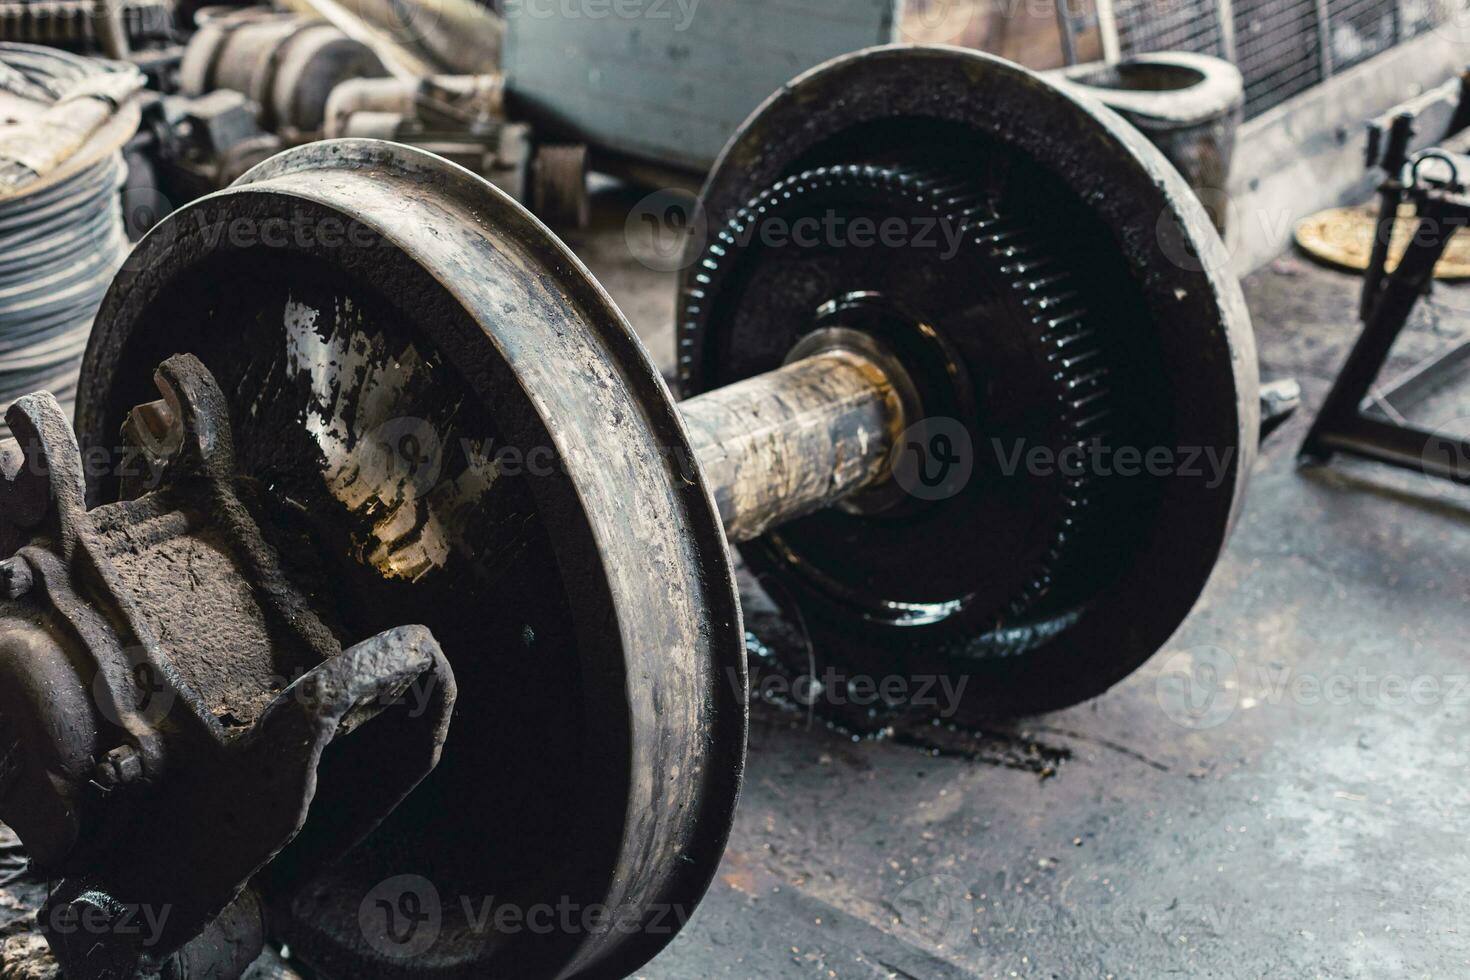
x,y
355,294
1086,299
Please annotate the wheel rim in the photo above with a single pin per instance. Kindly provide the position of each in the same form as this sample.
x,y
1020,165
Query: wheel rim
x,y
601,729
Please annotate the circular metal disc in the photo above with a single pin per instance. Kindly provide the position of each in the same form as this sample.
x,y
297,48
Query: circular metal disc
x,y
882,595
1343,237
448,422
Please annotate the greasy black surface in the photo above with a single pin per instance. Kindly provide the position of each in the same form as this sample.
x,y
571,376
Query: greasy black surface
x,y
1296,838
1030,354
1149,268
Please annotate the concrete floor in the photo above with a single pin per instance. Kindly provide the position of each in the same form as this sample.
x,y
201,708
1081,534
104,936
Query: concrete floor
x,y
1278,793
1294,813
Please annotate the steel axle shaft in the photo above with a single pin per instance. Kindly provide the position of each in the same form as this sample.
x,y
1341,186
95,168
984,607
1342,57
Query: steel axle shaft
x,y
797,439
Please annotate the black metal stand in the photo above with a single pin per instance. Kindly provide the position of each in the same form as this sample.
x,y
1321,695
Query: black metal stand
x,y
1354,419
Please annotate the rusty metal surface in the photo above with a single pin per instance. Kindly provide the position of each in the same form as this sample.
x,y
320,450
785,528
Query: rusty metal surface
x,y
170,698
476,321
785,444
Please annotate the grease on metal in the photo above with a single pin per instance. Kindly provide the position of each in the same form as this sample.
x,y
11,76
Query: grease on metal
x,y
380,462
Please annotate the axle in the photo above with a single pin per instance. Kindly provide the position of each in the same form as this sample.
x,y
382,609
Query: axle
x,y
814,433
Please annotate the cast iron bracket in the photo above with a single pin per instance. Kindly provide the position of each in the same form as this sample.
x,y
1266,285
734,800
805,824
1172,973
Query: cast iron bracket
x,y
171,704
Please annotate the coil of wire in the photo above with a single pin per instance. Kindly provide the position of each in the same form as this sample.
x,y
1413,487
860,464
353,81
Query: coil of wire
x,y
60,242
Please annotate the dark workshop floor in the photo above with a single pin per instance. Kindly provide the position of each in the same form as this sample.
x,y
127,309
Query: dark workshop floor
x,y
1306,825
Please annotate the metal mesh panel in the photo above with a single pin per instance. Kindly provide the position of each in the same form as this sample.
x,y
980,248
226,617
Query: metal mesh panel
x,y
1169,25
1279,44
1359,29
1277,49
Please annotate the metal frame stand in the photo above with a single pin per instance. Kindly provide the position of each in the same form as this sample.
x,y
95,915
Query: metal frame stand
x,y
1359,417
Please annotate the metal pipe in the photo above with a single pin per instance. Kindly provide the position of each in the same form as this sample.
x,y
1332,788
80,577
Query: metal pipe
x,y
795,440
1225,10
1068,34
1390,195
401,61
1107,30
112,33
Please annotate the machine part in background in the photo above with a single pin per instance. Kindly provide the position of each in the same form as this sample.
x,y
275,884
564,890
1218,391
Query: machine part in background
x,y
286,64
547,528
1057,320
371,108
458,117
173,702
63,119
73,24
425,37
559,193
1188,105
186,148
